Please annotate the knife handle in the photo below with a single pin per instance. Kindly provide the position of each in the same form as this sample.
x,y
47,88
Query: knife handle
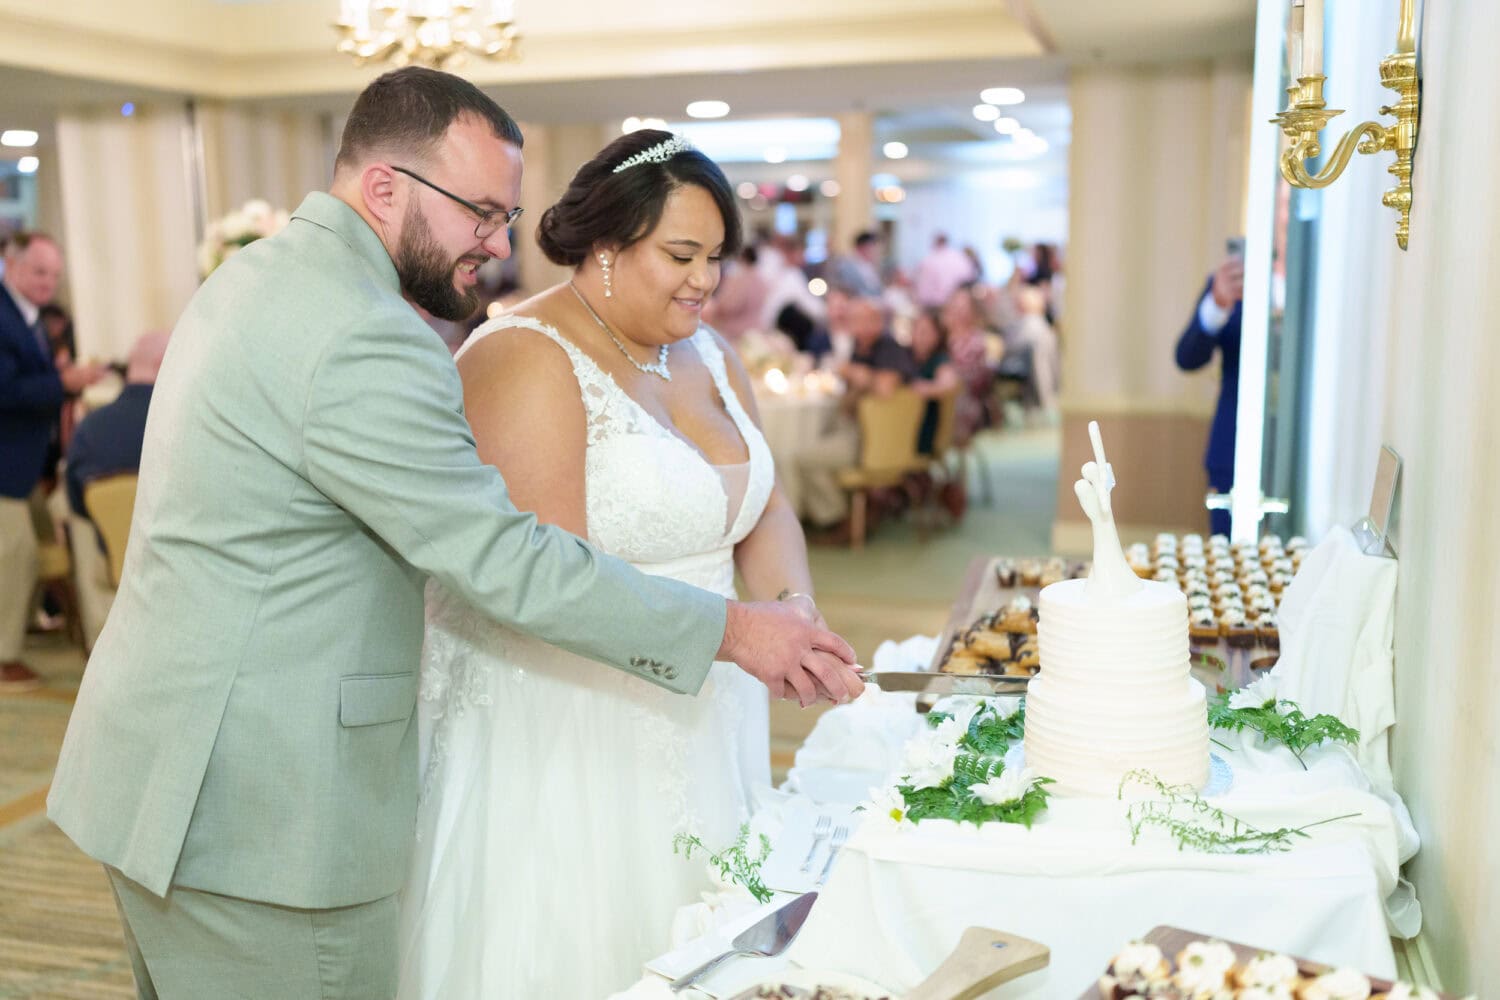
x,y
683,982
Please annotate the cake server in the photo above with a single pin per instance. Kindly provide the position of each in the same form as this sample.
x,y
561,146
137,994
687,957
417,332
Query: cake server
x,y
770,935
936,682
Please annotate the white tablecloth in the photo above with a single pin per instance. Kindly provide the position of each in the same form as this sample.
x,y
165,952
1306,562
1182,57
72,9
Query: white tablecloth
x,y
899,897
790,422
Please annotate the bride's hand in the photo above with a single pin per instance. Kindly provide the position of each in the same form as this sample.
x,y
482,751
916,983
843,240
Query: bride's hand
x,y
775,643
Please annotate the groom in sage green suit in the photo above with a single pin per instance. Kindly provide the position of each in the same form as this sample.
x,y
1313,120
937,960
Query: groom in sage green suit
x,y
242,756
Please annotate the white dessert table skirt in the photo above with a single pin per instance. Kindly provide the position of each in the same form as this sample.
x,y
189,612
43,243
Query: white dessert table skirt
x,y
899,898
789,423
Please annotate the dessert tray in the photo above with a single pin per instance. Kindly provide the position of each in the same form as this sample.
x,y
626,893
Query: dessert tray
x,y
1174,942
1232,591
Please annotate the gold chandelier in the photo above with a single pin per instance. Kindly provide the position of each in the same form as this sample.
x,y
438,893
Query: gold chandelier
x,y
437,33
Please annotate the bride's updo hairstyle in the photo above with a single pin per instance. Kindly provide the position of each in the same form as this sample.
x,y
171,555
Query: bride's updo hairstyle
x,y
616,208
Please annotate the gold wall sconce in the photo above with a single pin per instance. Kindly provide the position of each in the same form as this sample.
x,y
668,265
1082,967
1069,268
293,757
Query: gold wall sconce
x,y
1306,113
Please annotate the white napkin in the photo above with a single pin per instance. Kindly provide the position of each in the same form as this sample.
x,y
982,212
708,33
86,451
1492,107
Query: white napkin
x,y
783,869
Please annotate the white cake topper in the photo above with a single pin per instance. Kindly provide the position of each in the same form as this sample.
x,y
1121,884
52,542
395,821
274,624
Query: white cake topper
x,y
1111,578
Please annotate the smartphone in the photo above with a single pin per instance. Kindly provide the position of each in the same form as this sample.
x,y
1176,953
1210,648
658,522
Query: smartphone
x,y
1235,247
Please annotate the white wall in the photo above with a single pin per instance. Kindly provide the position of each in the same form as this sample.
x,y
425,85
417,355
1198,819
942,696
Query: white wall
x,y
979,209
1410,349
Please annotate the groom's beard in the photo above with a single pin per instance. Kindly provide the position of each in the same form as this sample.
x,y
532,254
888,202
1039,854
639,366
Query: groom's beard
x,y
426,273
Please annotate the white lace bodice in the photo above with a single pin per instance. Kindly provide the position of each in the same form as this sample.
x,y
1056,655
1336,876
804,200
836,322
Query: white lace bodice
x,y
651,498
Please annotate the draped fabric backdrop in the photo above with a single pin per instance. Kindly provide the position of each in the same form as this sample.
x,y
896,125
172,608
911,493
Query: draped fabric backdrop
x,y
1157,183
129,220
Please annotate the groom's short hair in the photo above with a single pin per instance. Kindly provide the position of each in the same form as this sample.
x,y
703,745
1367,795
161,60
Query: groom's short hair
x,y
407,111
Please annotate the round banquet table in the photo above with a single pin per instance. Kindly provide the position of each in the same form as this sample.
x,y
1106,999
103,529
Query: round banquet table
x,y
790,421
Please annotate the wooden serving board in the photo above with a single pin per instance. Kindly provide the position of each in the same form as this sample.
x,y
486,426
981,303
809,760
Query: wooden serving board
x,y
1172,940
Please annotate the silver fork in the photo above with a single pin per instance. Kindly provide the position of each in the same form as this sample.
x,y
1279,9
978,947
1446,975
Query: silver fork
x,y
840,835
820,830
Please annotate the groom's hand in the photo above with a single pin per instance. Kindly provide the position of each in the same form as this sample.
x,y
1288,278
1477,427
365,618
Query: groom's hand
x,y
794,658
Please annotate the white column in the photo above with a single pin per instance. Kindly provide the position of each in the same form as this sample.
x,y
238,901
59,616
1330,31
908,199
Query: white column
x,y
854,209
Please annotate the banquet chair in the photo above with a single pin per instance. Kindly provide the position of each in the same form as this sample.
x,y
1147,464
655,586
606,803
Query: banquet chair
x,y
55,577
888,428
110,501
946,461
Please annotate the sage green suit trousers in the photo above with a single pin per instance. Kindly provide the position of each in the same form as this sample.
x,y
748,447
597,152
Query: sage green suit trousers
x,y
195,945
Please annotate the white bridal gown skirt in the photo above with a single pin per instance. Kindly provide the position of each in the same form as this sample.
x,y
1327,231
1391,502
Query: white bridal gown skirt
x,y
553,787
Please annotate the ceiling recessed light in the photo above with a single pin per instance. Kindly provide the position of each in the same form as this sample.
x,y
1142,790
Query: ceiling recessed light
x,y
986,112
21,137
1002,95
28,164
630,124
797,182
1007,126
660,124
708,109
895,150
776,154
829,188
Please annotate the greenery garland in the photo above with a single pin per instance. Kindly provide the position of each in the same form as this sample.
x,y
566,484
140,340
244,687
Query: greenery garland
x,y
1280,721
1195,824
735,863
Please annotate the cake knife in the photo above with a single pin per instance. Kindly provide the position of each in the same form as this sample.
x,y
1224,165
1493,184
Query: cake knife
x,y
936,682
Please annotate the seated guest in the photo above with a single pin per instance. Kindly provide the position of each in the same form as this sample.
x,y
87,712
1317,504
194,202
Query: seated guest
x,y
935,373
109,440
975,350
878,367
858,273
1034,335
106,441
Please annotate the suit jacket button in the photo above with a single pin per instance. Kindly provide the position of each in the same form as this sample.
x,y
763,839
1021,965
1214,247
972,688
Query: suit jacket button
x,y
637,661
670,674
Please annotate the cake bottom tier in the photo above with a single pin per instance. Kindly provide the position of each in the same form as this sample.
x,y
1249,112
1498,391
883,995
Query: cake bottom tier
x,y
1087,749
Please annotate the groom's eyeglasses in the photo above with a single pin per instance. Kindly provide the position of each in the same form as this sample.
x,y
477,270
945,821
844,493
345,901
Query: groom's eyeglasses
x,y
489,219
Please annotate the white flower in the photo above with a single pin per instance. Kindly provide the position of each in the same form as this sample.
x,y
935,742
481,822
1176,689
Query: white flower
x,y
1008,786
1340,984
887,803
1203,967
956,727
1269,970
929,760
1261,694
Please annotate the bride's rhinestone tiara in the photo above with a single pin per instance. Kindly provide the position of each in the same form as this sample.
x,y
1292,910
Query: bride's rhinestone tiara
x,y
659,153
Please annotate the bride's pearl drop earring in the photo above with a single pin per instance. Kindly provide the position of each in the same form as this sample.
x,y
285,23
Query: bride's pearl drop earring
x,y
604,265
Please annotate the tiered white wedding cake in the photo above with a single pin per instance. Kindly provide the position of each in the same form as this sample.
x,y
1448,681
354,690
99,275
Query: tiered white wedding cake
x,y
1114,692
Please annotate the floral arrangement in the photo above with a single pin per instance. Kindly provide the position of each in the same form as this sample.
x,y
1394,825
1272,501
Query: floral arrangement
x,y
956,771
1277,720
225,237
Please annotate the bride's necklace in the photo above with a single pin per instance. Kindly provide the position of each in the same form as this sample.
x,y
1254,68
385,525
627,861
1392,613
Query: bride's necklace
x,y
658,368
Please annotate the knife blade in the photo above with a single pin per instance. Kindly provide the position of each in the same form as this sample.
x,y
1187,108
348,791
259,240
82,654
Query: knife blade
x,y
936,682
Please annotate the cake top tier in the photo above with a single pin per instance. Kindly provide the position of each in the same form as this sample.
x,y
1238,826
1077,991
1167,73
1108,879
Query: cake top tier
x,y
1111,581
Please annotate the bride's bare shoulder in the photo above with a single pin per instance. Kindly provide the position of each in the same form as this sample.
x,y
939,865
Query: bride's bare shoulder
x,y
519,345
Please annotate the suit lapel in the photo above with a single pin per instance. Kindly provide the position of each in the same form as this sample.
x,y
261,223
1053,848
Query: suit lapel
x,y
14,321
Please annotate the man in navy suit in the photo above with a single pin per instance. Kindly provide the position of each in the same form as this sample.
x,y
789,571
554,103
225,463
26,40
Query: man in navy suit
x,y
1215,325
31,396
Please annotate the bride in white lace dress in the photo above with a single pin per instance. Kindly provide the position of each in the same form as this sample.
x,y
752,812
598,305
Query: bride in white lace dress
x,y
552,790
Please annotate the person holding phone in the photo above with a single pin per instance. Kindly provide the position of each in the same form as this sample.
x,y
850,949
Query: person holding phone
x,y
1215,326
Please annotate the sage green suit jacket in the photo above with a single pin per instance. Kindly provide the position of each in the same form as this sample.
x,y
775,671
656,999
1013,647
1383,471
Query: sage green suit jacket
x,y
246,723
